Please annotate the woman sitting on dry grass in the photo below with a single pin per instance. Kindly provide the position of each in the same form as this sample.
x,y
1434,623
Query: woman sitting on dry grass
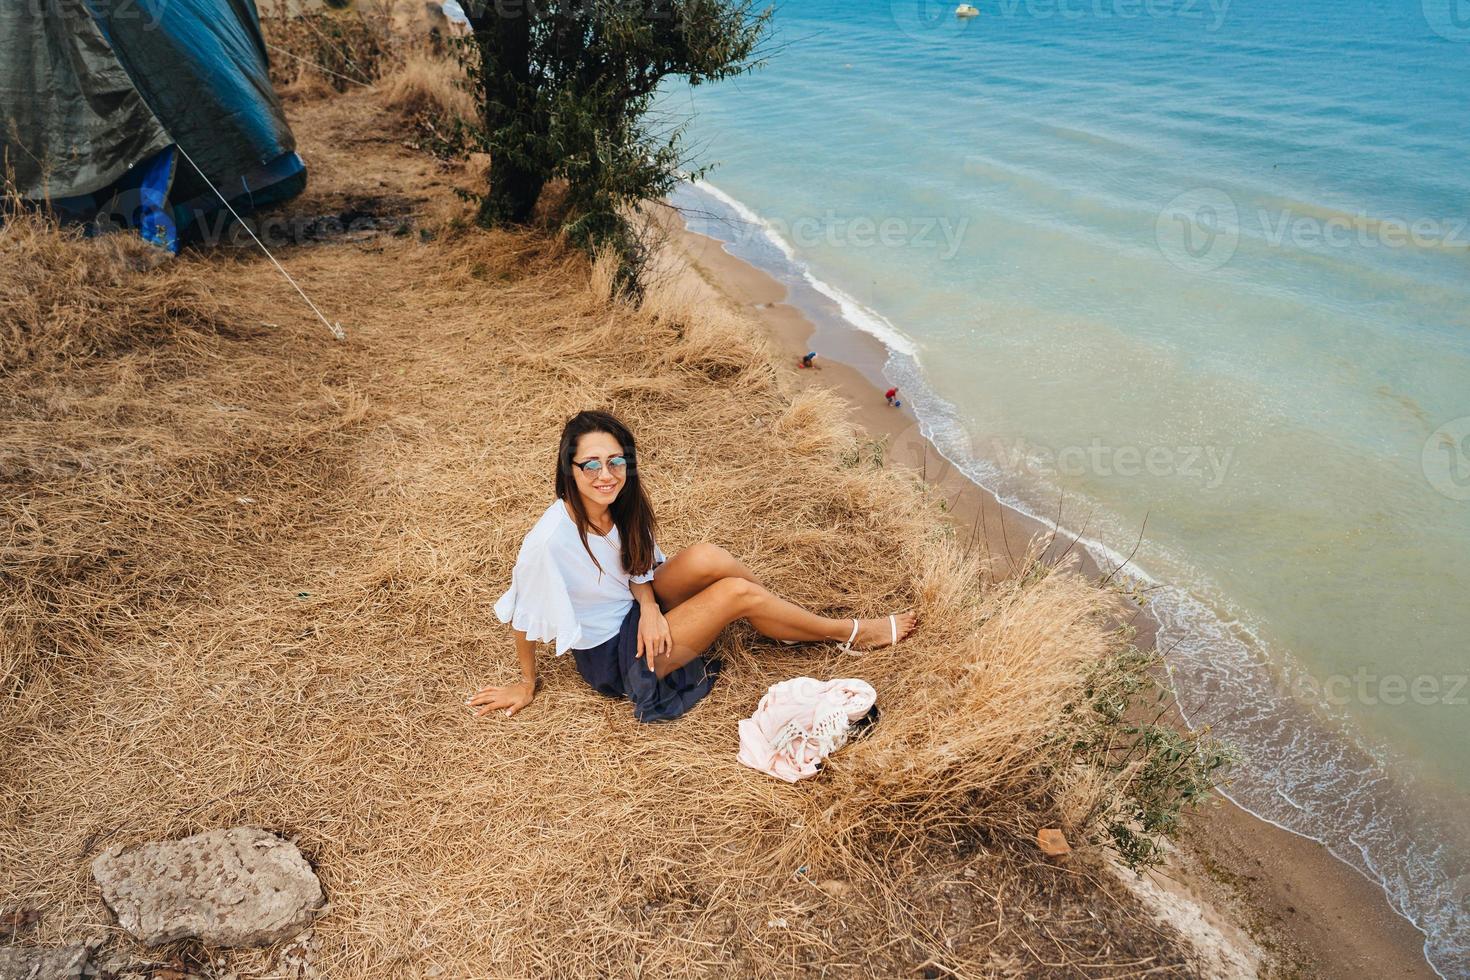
x,y
590,577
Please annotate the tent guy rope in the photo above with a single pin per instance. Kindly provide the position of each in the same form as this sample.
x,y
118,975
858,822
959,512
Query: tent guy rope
x,y
335,328
324,68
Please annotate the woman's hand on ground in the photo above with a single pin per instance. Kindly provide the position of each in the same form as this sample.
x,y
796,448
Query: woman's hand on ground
x,y
510,698
654,638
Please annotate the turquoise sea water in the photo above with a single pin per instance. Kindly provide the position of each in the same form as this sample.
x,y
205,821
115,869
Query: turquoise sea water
x,y
1199,273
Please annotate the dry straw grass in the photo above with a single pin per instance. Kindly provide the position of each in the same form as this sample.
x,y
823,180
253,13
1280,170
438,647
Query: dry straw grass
x,y
248,578
429,86
63,301
318,48
315,50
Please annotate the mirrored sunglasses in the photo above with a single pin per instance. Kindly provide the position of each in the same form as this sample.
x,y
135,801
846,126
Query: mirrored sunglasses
x,y
591,467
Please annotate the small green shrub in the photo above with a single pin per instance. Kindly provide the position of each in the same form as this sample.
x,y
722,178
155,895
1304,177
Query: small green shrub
x,y
1147,770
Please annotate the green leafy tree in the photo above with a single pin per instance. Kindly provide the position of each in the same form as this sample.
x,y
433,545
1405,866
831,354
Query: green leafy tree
x,y
566,88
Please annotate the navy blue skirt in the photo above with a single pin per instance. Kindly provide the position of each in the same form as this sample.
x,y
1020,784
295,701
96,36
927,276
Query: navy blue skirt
x,y
614,668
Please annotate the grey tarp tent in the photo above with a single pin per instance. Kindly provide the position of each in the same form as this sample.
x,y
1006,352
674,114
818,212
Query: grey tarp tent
x,y
129,110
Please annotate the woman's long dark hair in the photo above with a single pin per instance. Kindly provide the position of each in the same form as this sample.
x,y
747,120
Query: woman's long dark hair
x,y
631,512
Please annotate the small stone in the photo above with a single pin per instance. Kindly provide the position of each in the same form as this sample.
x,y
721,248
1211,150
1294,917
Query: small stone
x,y
44,963
836,887
237,887
1053,843
297,959
120,965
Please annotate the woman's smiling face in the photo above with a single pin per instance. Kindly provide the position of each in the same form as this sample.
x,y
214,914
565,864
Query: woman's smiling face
x,y
599,486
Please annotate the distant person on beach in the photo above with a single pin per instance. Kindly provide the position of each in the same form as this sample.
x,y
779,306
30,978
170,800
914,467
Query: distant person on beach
x,y
591,579
809,360
892,396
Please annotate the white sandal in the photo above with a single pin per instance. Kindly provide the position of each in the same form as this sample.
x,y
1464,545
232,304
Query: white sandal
x,y
892,625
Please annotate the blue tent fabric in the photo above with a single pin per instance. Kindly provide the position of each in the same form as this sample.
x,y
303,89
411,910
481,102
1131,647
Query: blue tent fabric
x,y
203,218
120,109
154,218
138,200
201,66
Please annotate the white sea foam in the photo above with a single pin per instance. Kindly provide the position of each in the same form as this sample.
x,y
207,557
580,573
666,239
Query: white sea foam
x,y
853,312
749,217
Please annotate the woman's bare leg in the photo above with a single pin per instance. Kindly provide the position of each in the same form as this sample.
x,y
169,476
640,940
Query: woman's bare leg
x,y
693,570
696,622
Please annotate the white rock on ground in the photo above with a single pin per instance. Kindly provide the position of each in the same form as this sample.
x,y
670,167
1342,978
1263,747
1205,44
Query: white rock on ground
x,y
237,887
37,963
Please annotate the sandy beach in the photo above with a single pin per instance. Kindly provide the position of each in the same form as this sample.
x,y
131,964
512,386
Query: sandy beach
x,y
1310,913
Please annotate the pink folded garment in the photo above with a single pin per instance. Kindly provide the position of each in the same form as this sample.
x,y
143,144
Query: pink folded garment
x,y
800,722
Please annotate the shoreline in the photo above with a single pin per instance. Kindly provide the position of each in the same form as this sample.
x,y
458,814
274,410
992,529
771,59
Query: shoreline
x,y
1307,909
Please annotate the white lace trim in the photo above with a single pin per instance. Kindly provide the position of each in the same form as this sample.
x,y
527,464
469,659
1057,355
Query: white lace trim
x,y
827,734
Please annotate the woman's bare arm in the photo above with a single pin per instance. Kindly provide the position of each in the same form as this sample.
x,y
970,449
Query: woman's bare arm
x,y
526,654
511,698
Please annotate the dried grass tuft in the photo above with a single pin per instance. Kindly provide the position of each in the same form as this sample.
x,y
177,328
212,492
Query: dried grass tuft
x,y
429,86
67,298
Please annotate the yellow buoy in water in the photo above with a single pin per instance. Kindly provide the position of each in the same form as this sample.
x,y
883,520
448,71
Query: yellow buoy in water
x,y
966,10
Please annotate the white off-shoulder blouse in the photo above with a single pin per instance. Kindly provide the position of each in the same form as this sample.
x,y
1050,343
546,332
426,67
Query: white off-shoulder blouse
x,y
557,593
